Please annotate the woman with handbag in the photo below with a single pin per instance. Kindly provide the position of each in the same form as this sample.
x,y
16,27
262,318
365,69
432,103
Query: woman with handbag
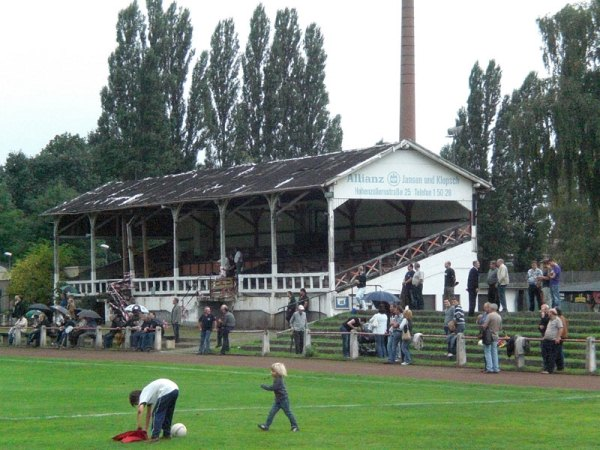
x,y
406,327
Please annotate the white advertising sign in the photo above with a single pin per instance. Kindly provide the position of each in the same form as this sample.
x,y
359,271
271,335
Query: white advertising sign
x,y
405,175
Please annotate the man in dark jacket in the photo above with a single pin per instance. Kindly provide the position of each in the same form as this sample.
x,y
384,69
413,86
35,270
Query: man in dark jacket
x,y
473,287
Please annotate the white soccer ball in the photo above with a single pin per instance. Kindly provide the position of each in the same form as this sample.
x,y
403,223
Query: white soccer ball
x,y
178,430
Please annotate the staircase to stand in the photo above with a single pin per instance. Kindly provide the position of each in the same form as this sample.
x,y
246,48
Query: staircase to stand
x,y
401,257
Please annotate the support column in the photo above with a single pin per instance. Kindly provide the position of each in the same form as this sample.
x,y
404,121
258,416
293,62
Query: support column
x,y
145,249
222,205
474,207
92,219
56,277
330,238
130,249
273,201
175,213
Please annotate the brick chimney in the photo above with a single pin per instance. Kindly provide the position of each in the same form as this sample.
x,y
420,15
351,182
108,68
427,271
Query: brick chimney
x,y
407,72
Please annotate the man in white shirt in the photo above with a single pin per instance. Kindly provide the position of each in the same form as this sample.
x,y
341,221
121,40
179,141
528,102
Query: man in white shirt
x,y
158,399
298,324
503,281
238,260
417,290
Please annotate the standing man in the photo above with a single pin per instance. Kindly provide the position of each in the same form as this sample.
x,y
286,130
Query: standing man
x,y
555,271
449,281
304,300
534,290
206,323
238,260
459,320
227,326
361,287
176,318
503,281
417,286
298,324
394,333
473,287
545,280
493,322
551,341
158,399
492,281
354,323
407,287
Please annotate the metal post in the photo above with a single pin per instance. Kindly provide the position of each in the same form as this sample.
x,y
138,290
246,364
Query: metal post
x,y
158,339
353,344
461,350
43,336
98,340
590,354
519,353
266,343
127,342
307,341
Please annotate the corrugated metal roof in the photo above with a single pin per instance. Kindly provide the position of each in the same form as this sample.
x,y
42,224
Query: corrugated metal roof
x,y
241,181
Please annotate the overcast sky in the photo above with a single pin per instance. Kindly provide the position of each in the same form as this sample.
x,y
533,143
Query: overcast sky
x,y
54,59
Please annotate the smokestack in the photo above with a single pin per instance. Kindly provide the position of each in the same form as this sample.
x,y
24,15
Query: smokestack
x,y
407,72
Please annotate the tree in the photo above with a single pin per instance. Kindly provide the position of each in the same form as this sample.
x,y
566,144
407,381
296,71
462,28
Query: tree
x,y
14,229
283,73
141,130
66,159
471,145
251,118
570,50
199,110
319,134
223,86
31,276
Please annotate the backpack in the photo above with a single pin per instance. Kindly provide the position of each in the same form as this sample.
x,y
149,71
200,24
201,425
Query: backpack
x,y
564,332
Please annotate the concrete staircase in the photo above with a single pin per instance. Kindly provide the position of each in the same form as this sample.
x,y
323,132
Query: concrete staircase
x,y
581,326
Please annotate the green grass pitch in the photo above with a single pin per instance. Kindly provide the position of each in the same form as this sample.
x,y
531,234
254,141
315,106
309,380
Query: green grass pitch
x,y
58,404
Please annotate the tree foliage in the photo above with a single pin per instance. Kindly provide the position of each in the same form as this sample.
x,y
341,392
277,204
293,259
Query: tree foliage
x,y
141,131
545,163
31,276
223,88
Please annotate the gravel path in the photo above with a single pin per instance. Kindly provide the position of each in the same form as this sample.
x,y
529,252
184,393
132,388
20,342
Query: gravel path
x,y
589,382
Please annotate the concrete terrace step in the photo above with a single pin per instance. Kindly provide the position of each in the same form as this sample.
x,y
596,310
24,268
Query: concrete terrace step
x,y
434,352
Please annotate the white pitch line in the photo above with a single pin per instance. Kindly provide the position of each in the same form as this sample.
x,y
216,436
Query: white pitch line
x,y
342,406
349,378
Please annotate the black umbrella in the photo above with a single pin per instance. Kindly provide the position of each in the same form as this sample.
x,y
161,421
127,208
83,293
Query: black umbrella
x,y
39,307
378,297
88,314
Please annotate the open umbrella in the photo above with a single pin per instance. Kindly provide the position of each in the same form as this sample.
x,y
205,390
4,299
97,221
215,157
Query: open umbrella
x,y
68,289
143,309
60,309
378,297
39,307
32,313
88,314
